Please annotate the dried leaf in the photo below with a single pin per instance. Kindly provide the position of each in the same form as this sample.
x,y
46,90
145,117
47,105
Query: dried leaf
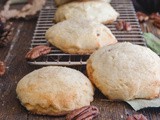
x,y
138,104
30,9
37,52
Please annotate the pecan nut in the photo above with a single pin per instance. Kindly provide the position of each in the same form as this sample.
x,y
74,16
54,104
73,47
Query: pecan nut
x,y
156,24
154,15
122,25
84,113
2,68
37,52
6,31
156,21
137,117
142,17
127,26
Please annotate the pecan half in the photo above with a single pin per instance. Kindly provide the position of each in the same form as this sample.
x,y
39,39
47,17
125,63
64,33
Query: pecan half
x,y
142,17
137,117
2,68
127,26
153,15
37,52
122,25
156,24
84,113
156,21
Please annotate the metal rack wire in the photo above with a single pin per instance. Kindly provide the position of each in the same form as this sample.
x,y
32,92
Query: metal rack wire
x,y
57,57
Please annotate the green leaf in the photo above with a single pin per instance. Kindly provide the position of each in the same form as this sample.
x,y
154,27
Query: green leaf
x,y
153,42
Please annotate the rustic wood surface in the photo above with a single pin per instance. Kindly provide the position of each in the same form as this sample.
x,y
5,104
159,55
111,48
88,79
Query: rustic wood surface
x,y
17,67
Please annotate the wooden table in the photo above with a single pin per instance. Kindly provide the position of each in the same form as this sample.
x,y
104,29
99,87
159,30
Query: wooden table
x,y
13,55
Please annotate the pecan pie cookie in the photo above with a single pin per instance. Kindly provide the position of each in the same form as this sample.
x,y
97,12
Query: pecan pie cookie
x,y
125,71
79,36
61,2
54,91
98,11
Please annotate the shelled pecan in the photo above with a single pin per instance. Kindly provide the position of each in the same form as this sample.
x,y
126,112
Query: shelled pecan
x,y
122,25
2,68
137,117
84,113
156,24
156,21
37,52
153,15
142,17
127,26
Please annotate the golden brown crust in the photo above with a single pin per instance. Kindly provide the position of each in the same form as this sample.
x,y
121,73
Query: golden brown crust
x,y
108,22
54,91
90,73
90,70
39,112
76,9
59,4
69,36
78,51
106,69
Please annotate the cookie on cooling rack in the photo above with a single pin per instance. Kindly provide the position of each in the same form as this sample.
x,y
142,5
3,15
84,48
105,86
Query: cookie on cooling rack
x,y
79,36
54,91
98,11
125,71
61,2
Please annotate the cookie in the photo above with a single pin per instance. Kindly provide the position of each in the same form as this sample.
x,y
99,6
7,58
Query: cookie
x,y
61,2
79,36
54,91
98,11
125,71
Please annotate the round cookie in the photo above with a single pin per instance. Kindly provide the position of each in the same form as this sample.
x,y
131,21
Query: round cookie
x,y
98,11
61,2
125,71
54,91
79,36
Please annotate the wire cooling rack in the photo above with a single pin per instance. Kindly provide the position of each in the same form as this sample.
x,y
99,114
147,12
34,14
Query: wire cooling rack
x,y
57,57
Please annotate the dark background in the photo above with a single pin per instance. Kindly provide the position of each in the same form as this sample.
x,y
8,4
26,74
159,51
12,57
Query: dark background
x,y
148,6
